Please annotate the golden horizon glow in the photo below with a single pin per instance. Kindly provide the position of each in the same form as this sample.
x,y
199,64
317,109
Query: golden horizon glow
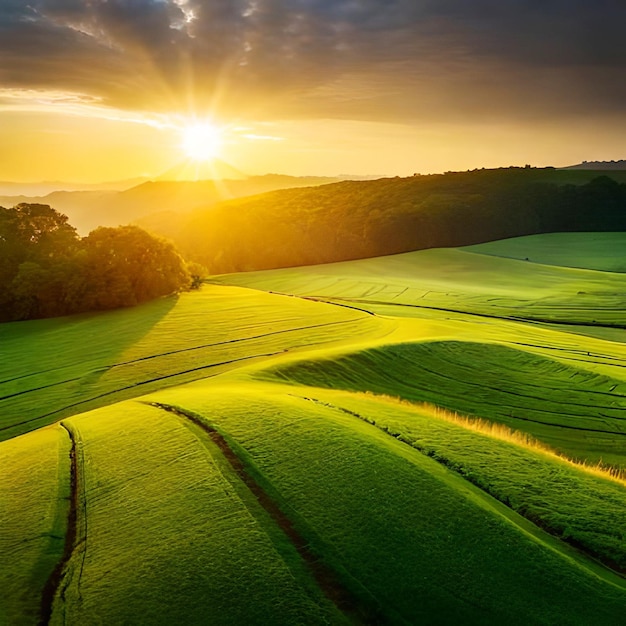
x,y
95,144
201,141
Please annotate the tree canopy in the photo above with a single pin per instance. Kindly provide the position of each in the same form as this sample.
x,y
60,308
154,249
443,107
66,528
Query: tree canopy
x,y
358,219
47,270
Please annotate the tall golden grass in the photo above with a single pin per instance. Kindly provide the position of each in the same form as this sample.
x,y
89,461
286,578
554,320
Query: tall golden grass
x,y
505,433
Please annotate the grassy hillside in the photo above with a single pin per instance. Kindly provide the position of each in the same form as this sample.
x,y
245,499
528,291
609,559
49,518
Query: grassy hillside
x,y
462,281
261,452
595,251
387,522
391,517
34,494
54,368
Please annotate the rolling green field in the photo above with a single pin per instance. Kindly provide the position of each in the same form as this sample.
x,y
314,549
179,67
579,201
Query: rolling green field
x,y
436,437
594,251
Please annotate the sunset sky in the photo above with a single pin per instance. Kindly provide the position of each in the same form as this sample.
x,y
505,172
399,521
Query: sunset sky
x,y
95,90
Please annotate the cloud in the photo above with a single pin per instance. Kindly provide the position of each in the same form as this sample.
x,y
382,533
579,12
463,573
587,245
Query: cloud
x,y
358,59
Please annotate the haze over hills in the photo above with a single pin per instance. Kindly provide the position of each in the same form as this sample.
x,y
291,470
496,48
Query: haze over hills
x,y
88,209
158,203
32,189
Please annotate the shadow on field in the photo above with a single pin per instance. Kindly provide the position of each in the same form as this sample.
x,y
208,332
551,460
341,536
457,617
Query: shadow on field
x,y
52,368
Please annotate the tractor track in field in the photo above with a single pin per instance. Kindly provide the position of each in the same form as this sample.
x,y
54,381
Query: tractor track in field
x,y
326,578
529,387
509,318
105,367
575,415
25,391
138,384
540,524
345,306
515,394
56,585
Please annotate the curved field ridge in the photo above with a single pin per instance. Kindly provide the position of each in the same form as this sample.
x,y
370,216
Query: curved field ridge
x,y
95,360
398,526
573,410
170,536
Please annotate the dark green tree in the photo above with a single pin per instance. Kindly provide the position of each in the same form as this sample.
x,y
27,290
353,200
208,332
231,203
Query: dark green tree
x,y
126,265
33,239
46,270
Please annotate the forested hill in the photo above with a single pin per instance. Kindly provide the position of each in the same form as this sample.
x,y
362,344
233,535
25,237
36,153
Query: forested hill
x,y
357,219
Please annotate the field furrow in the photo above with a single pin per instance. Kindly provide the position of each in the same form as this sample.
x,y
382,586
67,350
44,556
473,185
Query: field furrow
x,y
325,577
392,521
169,538
58,579
35,494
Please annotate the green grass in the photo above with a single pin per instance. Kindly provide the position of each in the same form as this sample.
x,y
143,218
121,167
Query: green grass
x,y
34,491
594,251
579,504
573,410
409,536
55,368
164,536
457,280
398,514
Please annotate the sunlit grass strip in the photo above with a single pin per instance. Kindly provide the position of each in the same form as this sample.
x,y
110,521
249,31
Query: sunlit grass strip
x,y
504,433
167,528
419,538
34,503
583,509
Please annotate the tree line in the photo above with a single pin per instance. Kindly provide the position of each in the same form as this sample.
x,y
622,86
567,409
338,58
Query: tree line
x,y
46,269
359,219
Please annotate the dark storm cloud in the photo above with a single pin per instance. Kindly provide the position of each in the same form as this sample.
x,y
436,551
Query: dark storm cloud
x,y
375,59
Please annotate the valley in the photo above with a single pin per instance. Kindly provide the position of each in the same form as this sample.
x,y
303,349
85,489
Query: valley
x,y
433,436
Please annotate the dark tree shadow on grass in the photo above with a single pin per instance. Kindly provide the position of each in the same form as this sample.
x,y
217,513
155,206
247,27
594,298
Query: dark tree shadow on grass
x,y
53,368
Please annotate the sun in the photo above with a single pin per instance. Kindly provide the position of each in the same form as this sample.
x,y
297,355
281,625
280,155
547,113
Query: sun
x,y
201,141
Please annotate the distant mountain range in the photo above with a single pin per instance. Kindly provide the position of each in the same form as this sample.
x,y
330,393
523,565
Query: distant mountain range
x,y
168,206
32,189
88,209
